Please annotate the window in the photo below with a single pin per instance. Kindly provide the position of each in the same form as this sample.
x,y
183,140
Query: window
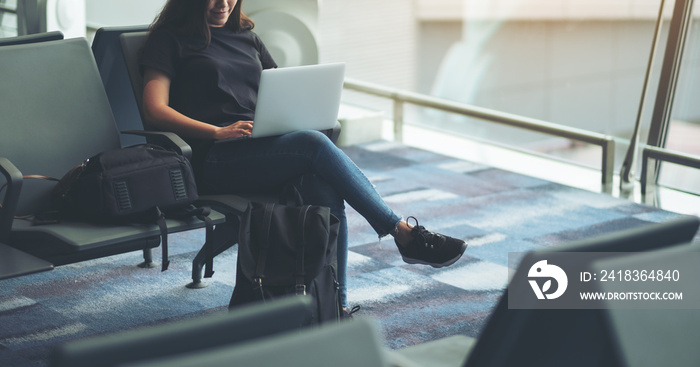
x,y
579,63
8,18
683,133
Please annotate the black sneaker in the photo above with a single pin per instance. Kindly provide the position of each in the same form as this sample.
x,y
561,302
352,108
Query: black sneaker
x,y
431,248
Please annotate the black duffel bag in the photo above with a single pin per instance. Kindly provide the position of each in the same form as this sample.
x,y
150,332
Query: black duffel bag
x,y
124,184
138,184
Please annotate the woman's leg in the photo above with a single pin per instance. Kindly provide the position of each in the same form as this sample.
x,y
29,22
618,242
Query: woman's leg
x,y
260,165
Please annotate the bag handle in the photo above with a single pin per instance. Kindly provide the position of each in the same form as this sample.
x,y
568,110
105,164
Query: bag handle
x,y
291,196
300,273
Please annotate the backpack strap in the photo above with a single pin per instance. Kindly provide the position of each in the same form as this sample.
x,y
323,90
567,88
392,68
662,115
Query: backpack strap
x,y
290,195
300,287
202,213
160,220
264,247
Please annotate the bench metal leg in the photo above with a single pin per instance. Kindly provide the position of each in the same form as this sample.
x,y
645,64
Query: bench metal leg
x,y
147,259
224,237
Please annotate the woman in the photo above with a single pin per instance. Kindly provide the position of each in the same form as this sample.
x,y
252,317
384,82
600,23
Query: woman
x,y
202,66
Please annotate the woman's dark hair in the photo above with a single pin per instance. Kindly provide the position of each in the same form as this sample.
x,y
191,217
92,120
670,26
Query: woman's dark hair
x,y
189,17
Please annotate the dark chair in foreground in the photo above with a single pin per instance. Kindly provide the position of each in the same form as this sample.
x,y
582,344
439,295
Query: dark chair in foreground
x,y
55,114
345,344
657,335
182,338
232,205
271,334
568,337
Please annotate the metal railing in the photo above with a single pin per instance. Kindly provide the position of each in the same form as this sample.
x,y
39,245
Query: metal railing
x,y
400,98
665,155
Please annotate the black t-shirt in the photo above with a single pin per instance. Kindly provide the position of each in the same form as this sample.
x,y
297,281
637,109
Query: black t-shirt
x,y
217,84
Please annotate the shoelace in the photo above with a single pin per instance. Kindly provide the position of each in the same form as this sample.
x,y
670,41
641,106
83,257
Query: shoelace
x,y
431,240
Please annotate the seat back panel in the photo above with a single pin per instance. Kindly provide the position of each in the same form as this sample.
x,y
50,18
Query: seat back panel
x,y
55,113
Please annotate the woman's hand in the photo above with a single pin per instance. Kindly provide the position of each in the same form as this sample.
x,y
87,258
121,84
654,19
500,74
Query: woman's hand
x,y
238,129
159,115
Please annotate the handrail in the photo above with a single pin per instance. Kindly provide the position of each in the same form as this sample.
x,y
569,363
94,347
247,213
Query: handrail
x,y
401,97
660,154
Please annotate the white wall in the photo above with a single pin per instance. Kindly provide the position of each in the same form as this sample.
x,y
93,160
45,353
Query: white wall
x,y
102,13
377,39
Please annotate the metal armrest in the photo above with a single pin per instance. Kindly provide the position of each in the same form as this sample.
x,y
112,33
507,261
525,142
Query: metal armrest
x,y
13,179
165,139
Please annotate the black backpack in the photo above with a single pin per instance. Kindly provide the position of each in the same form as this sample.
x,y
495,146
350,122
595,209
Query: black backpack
x,y
288,250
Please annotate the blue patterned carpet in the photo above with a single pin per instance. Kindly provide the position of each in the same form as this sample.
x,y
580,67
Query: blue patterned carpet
x,y
495,211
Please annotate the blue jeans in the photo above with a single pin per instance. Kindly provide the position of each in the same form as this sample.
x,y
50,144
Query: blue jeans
x,y
267,164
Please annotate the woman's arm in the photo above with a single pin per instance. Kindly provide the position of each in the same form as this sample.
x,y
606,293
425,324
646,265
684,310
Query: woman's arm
x,y
158,113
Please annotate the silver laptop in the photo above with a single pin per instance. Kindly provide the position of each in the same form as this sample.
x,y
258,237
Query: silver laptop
x,y
298,98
